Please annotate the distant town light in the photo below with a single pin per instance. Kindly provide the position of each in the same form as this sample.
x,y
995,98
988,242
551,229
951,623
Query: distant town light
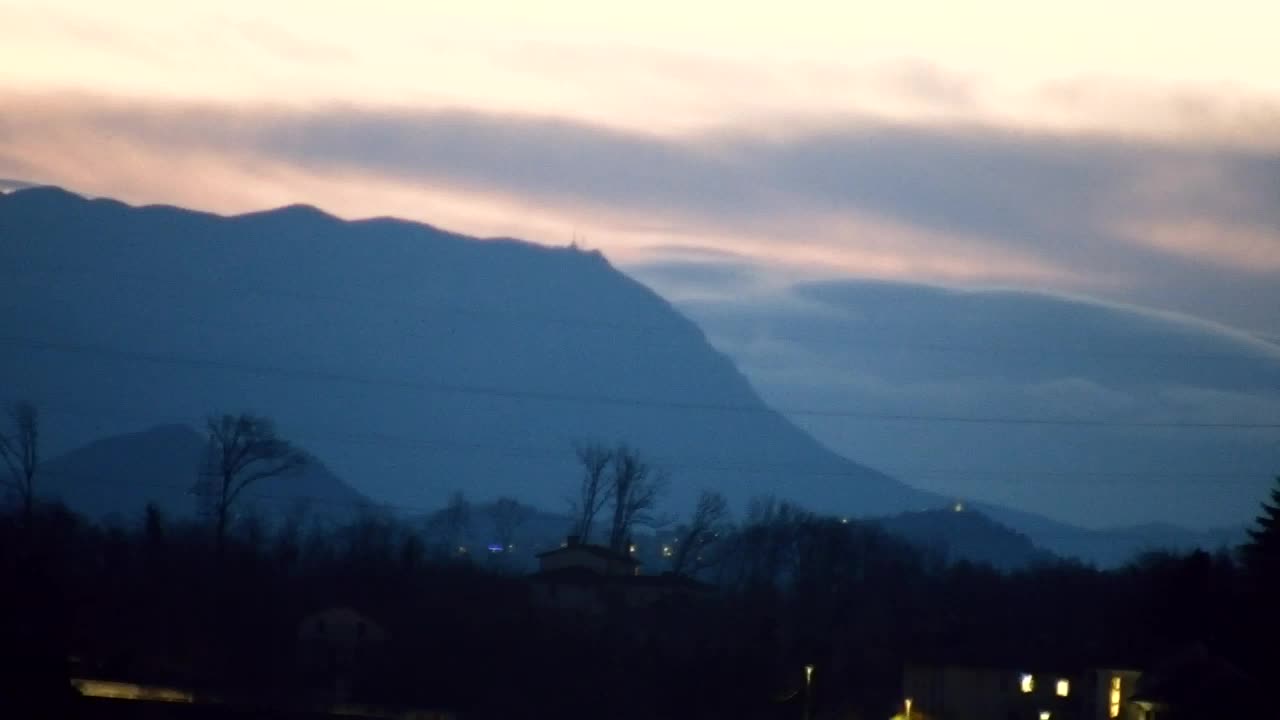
x,y
633,548
844,520
1027,683
958,507
1064,688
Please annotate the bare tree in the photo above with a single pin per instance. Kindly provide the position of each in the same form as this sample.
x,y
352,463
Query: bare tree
x,y
709,522
634,488
242,450
455,522
593,491
507,515
21,452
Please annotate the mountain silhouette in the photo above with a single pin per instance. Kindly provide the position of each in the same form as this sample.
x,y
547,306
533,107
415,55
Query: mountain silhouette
x,y
116,477
413,360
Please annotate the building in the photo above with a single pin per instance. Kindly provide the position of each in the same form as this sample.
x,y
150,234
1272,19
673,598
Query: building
x,y
337,648
594,580
578,555
950,692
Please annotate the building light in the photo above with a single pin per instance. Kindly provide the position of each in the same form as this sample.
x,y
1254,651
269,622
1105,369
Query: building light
x,y
1045,715
1063,688
844,520
1114,705
958,507
633,548
1027,683
666,551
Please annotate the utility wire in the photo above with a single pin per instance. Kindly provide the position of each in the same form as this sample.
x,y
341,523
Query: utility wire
x,y
437,386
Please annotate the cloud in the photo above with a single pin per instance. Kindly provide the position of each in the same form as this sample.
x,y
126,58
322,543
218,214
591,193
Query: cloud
x,y
951,203
892,350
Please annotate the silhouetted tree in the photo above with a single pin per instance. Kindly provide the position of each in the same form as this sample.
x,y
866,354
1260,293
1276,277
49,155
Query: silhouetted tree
x,y
1261,554
507,515
634,488
709,521
593,489
242,450
20,449
455,522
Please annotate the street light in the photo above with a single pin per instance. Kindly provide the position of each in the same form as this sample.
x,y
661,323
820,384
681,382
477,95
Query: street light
x,y
908,704
808,692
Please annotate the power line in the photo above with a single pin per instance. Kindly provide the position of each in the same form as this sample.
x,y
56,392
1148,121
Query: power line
x,y
437,386
563,454
640,330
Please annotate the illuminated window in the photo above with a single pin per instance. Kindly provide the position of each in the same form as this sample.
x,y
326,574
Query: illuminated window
x,y
1114,705
1027,683
1063,688
1045,715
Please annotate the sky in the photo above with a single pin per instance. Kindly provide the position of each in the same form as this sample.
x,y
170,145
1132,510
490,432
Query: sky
x,y
734,156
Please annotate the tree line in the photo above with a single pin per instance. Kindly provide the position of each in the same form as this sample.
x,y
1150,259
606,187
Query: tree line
x,y
215,601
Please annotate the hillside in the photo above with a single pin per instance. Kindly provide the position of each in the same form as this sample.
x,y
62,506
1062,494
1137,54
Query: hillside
x,y
414,361
115,478
966,535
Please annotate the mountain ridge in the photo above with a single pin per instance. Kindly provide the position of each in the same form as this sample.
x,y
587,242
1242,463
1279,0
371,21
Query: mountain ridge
x,y
408,262
258,290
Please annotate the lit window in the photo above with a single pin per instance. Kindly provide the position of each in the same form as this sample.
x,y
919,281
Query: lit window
x,y
1064,688
1027,683
1045,715
1114,705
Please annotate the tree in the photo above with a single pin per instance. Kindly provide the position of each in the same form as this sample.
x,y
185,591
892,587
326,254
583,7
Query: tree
x,y
1262,553
593,490
507,515
709,521
634,488
21,452
455,522
242,450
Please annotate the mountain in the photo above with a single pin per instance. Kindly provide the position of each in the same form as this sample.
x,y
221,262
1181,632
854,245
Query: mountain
x,y
413,360
963,534
116,477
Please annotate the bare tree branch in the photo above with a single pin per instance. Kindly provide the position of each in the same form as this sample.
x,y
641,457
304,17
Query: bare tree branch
x,y
242,450
594,488
507,515
21,452
709,522
634,489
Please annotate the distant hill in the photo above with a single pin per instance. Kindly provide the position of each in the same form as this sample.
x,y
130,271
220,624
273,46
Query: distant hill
x,y
115,478
966,535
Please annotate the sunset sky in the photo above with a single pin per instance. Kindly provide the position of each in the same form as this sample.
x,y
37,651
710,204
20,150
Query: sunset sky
x,y
1123,151
737,156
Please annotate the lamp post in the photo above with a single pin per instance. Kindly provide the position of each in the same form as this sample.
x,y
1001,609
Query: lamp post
x,y
808,692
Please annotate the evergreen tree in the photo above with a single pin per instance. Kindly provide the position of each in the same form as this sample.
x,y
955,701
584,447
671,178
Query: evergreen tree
x,y
1262,552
